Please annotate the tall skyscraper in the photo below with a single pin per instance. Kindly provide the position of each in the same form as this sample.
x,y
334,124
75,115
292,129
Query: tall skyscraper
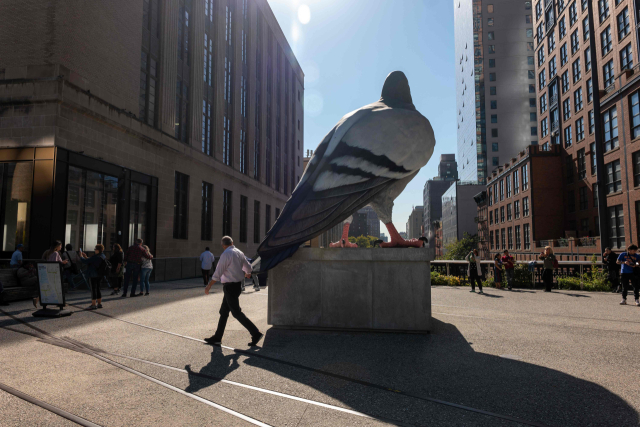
x,y
495,83
433,191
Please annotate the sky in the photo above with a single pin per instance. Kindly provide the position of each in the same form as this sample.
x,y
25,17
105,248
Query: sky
x,y
347,48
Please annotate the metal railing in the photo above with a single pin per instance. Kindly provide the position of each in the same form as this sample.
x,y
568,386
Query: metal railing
x,y
548,4
553,100
554,126
458,268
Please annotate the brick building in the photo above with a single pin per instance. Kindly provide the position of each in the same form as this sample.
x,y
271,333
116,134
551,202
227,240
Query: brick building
x,y
175,121
568,49
525,199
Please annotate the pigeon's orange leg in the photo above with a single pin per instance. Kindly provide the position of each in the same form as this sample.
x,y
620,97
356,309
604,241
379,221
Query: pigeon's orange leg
x,y
344,241
398,242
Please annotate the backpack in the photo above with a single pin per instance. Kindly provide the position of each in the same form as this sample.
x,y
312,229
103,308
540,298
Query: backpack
x,y
104,267
74,267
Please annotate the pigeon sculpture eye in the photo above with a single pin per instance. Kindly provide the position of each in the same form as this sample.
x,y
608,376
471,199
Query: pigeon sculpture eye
x,y
367,159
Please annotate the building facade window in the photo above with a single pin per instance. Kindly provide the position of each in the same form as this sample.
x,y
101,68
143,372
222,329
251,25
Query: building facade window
x,y
635,115
579,129
208,100
589,91
206,221
501,189
510,238
563,55
566,109
587,59
592,156
503,238
623,23
244,202
267,218
613,177
257,125
502,214
603,9
577,99
573,14
491,239
575,67
517,232
256,222
582,164
585,28
149,62
516,209
227,210
636,169
568,136
525,206
516,182
562,28
509,212
616,226
584,199
525,177
181,206
610,119
575,42
608,73
525,236
227,136
184,67
626,58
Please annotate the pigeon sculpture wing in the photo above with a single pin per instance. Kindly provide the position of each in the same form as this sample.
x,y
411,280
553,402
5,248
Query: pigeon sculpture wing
x,y
368,151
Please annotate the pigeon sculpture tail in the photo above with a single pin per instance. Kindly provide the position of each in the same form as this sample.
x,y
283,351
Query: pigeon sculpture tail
x,y
368,158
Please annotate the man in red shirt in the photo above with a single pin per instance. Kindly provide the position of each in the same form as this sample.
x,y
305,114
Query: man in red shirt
x,y
509,263
133,261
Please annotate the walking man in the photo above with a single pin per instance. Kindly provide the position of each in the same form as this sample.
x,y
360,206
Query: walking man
x,y
628,261
609,259
206,260
508,261
133,265
231,270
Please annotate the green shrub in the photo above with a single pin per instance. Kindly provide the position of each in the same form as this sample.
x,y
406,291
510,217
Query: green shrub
x,y
438,279
594,280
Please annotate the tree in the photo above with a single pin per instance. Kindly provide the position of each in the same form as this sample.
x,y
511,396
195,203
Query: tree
x,y
461,248
363,241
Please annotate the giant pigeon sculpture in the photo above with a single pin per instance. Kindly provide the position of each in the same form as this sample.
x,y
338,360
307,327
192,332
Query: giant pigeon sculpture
x,y
368,158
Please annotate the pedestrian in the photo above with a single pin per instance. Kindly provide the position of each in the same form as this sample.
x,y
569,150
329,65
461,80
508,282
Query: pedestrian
x,y
146,269
71,269
117,268
133,265
97,264
474,270
16,257
610,261
548,265
497,271
28,278
628,261
508,262
231,270
206,264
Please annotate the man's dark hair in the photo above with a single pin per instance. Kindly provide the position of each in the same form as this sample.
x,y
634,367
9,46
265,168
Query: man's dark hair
x,y
227,241
69,247
505,251
207,248
632,248
607,248
139,241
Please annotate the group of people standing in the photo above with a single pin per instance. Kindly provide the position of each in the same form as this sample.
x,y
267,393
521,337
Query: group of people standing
x,y
118,269
474,270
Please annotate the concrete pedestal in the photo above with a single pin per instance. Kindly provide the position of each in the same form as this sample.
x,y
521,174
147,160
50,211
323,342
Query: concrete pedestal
x,y
352,289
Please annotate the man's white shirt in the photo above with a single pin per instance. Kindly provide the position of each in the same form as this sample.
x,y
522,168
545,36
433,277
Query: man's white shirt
x,y
232,266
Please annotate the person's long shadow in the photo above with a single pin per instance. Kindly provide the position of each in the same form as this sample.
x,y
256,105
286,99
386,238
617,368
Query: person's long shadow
x,y
219,367
441,365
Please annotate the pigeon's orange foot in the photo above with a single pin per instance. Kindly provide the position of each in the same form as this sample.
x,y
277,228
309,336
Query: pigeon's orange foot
x,y
402,243
343,244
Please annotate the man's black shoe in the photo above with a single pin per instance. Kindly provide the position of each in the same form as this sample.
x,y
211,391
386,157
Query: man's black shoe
x,y
133,295
213,341
254,340
124,295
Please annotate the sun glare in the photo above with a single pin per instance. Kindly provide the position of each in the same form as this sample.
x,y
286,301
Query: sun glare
x,y
304,14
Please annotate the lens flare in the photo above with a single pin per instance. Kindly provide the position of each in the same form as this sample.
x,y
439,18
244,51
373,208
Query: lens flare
x,y
313,103
304,14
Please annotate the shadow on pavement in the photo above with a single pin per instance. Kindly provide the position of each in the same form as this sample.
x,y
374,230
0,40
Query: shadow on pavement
x,y
220,366
441,365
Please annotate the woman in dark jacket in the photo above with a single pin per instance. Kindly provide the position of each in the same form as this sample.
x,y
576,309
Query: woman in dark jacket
x,y
117,268
94,275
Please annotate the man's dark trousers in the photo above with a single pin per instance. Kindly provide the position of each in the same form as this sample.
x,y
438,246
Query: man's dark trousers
x,y
627,278
133,269
231,303
206,276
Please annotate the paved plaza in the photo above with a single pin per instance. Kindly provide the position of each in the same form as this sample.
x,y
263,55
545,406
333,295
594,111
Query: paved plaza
x,y
500,359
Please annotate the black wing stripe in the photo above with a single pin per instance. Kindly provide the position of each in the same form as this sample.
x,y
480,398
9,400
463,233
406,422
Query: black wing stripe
x,y
343,149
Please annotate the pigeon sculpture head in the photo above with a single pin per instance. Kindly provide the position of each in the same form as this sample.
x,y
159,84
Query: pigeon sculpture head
x,y
367,159
396,89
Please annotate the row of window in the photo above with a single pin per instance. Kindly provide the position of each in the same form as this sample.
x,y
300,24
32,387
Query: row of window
x,y
181,212
510,213
510,181
504,238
